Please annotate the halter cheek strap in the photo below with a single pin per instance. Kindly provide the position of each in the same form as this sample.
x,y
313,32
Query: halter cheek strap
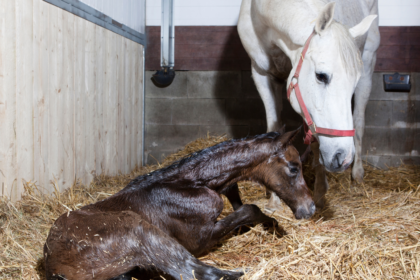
x,y
310,127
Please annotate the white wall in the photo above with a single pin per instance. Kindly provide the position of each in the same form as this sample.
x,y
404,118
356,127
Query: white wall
x,y
128,12
197,12
399,13
225,12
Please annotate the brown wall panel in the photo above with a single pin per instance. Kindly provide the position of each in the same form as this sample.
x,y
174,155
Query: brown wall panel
x,y
219,48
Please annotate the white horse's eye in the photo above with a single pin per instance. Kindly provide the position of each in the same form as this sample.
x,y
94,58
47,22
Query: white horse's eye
x,y
322,77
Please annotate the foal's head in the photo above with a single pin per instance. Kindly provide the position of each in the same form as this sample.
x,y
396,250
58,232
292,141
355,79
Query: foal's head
x,y
282,173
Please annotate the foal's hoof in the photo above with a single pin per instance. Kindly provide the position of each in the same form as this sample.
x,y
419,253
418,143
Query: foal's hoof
x,y
271,223
233,275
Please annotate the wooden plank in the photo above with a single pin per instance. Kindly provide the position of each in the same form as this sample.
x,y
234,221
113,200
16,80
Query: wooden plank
x,y
58,121
121,52
397,64
113,112
9,86
141,105
41,96
100,50
24,74
133,115
90,101
55,53
68,89
79,81
106,103
110,106
8,170
128,104
138,109
3,99
36,88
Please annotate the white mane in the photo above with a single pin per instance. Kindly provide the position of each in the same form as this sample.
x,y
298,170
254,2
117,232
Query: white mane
x,y
349,52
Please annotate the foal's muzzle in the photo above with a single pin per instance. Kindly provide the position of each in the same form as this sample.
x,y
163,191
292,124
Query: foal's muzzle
x,y
305,212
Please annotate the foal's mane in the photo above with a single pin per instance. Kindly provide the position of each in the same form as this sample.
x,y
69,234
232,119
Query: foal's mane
x,y
261,145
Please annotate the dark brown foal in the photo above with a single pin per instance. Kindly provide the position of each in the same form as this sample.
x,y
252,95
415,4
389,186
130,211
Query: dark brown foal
x,y
163,220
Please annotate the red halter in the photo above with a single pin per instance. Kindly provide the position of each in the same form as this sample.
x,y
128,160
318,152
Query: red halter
x,y
310,127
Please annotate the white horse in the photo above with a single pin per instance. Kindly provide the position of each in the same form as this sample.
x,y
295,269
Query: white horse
x,y
274,32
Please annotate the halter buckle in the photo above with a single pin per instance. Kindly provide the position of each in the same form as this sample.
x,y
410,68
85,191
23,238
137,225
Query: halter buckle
x,y
313,127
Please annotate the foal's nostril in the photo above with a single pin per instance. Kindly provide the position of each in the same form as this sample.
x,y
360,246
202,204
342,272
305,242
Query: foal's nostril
x,y
312,208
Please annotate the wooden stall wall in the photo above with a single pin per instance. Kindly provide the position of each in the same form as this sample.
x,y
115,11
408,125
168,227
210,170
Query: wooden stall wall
x,y
70,98
219,48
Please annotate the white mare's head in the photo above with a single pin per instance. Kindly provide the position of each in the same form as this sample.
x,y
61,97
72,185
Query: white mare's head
x,y
329,75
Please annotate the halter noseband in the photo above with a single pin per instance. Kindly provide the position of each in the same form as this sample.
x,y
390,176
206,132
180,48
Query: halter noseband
x,y
310,127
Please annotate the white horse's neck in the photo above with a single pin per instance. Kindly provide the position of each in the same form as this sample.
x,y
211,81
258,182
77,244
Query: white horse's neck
x,y
296,24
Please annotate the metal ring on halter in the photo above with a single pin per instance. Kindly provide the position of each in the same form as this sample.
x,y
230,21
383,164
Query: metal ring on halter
x,y
313,126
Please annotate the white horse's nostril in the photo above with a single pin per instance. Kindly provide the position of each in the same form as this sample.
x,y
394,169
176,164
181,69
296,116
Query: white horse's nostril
x,y
338,159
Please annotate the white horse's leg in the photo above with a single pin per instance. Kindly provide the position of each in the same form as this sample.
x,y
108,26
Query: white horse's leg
x,y
265,88
361,97
321,183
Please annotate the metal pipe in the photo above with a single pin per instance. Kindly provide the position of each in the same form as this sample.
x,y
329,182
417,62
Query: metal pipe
x,y
164,77
167,35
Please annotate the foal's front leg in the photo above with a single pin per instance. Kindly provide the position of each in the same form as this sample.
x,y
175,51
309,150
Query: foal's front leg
x,y
248,214
232,194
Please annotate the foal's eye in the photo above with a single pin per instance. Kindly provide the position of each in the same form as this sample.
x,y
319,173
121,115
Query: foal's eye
x,y
322,77
293,170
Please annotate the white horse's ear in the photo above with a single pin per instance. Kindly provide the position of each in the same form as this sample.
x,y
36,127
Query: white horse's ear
x,y
362,27
325,18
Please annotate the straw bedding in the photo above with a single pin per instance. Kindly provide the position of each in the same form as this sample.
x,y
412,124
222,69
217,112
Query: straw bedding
x,y
368,231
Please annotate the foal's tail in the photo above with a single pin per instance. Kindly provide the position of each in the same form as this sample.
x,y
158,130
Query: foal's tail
x,y
165,254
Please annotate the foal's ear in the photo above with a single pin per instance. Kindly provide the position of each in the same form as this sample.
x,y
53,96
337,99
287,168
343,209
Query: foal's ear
x,y
288,138
362,27
325,18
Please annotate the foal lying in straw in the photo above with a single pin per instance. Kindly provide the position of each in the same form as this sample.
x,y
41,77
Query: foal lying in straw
x,y
163,220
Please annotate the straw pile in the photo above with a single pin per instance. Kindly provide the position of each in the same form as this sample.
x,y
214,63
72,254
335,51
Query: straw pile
x,y
368,231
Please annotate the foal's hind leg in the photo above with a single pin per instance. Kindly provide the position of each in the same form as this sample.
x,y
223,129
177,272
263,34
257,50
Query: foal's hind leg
x,y
165,254
232,194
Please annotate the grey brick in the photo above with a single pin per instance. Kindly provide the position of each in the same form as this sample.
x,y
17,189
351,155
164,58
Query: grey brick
x,y
166,139
415,84
405,141
257,129
177,89
405,112
378,113
235,131
198,111
385,161
245,112
158,111
214,84
376,141
171,137
162,140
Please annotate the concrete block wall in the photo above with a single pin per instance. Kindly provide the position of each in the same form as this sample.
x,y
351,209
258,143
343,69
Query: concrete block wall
x,y
227,102
392,132
197,103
